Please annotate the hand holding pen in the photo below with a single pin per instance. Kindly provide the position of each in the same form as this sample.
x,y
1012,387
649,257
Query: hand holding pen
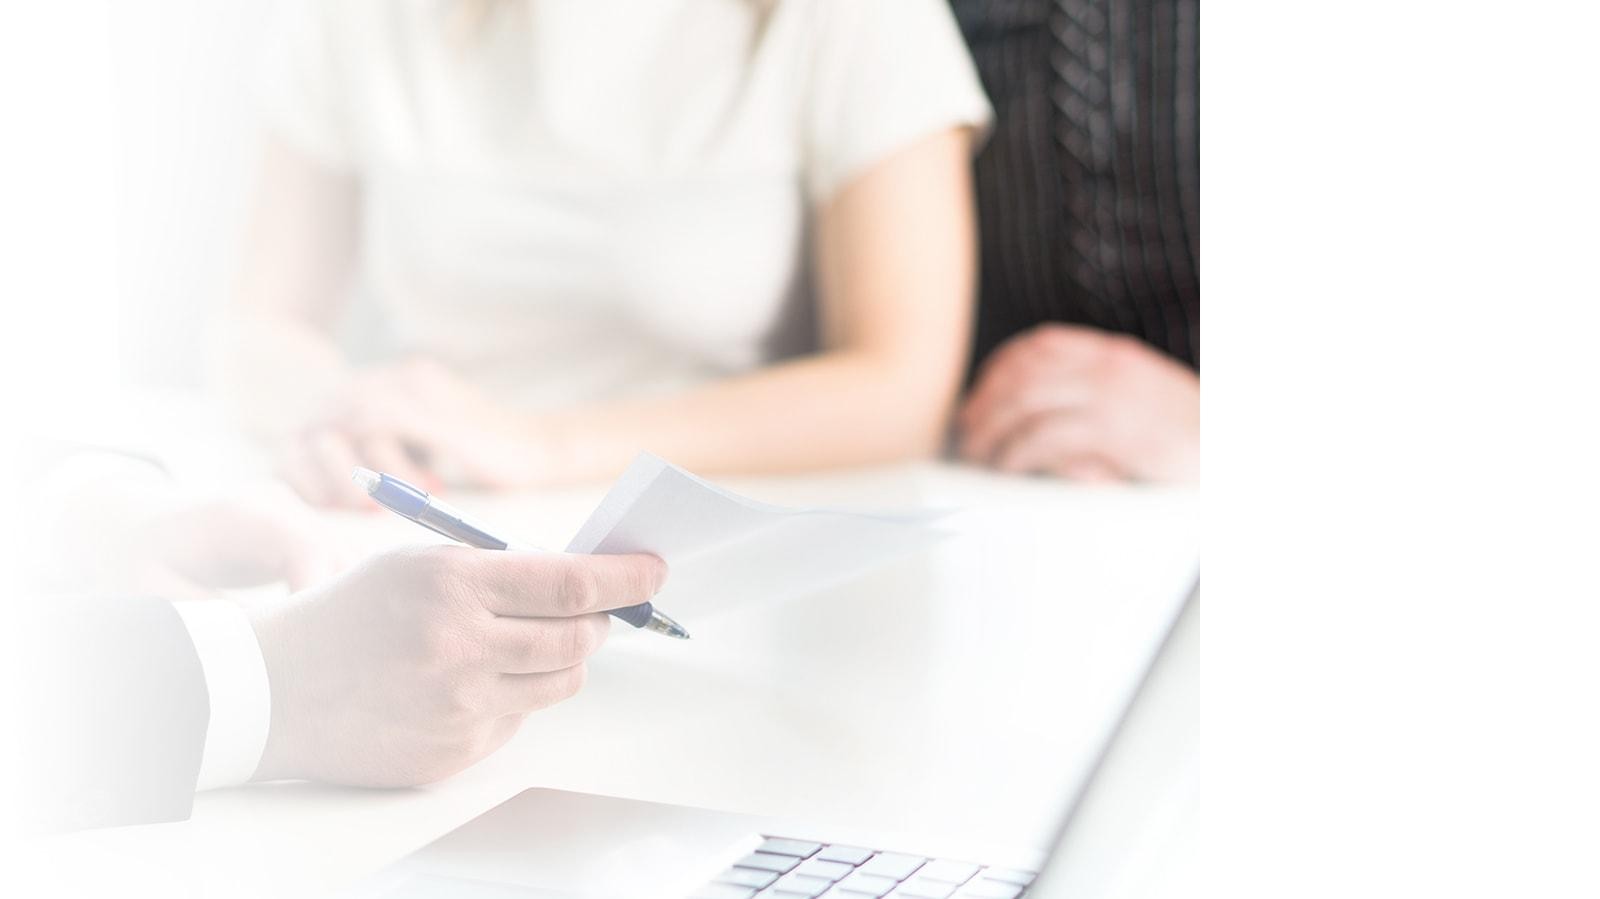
x,y
415,504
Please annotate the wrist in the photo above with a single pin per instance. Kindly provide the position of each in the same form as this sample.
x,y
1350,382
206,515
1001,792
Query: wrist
x,y
276,629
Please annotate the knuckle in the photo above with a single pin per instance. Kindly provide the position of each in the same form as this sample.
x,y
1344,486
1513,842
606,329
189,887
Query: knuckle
x,y
580,588
574,680
583,638
468,647
432,566
656,572
543,647
460,701
1121,348
1054,334
492,736
1048,340
1068,341
427,567
1031,371
474,743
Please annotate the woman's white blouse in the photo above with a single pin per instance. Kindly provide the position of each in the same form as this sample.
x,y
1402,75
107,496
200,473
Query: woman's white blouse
x,y
588,199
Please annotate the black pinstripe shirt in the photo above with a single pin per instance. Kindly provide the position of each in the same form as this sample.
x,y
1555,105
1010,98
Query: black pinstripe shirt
x,y
1089,188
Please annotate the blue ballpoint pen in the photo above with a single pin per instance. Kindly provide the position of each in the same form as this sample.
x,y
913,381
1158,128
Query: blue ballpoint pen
x,y
410,502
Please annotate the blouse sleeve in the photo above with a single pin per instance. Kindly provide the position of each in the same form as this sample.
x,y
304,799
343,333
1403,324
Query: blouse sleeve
x,y
885,74
301,82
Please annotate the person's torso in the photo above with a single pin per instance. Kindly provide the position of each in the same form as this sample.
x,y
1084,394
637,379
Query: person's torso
x,y
582,200
1089,197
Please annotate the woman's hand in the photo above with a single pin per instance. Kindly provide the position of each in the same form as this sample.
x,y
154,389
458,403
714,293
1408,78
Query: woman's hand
x,y
1084,404
141,535
418,421
241,540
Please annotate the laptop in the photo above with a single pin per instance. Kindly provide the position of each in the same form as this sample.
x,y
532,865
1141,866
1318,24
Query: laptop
x,y
552,844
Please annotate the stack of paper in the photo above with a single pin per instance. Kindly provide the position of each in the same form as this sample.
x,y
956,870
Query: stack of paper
x,y
725,549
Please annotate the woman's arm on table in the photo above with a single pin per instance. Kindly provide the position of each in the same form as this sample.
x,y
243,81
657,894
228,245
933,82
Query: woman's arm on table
x,y
277,360
895,258
278,366
896,264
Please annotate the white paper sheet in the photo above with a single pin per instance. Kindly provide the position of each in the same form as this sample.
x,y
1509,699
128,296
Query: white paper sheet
x,y
724,549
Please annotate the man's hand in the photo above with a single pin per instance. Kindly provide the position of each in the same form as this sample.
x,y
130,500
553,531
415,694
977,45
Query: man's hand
x,y
1084,404
420,662
418,421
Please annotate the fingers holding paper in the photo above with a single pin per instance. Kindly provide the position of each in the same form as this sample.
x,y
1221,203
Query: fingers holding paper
x,y
521,693
517,646
407,669
561,585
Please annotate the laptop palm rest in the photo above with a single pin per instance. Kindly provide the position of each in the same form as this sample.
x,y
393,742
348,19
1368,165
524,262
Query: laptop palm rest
x,y
549,843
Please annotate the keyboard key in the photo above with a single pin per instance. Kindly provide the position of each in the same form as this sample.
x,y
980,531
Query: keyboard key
x,y
782,864
816,867
724,891
891,864
920,887
747,877
850,855
983,888
1010,875
796,848
801,886
859,884
948,872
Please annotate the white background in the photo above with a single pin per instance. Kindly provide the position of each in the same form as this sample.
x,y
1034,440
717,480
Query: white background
x,y
1401,337
129,151
1401,329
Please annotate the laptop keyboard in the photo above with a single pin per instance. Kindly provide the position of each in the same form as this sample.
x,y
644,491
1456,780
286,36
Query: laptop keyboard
x,y
797,869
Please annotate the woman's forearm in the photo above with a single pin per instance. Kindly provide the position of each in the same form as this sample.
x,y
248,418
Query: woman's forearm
x,y
841,408
276,361
896,267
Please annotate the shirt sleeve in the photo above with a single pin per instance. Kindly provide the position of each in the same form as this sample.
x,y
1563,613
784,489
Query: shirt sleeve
x,y
885,74
240,695
302,82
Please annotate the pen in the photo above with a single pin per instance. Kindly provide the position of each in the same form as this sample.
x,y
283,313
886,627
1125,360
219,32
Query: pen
x,y
410,502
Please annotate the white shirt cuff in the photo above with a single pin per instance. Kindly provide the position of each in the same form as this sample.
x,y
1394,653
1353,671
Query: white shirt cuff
x,y
236,681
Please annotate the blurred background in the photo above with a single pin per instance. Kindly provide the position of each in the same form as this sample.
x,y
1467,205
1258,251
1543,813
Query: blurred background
x,y
126,183
188,133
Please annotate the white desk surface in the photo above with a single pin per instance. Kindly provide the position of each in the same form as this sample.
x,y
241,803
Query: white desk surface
x,y
939,695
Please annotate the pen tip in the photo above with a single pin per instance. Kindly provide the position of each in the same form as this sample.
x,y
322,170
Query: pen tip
x,y
665,626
